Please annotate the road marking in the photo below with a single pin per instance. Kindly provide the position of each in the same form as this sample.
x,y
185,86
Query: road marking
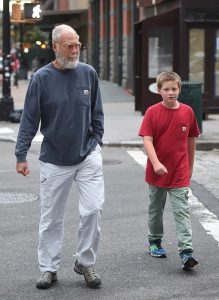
x,y
38,138
138,156
9,134
207,219
5,130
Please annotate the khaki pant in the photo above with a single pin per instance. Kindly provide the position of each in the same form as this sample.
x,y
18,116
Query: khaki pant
x,y
55,185
180,207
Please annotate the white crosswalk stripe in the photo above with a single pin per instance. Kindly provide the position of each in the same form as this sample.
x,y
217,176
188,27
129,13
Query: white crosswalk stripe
x,y
38,138
10,134
207,219
5,130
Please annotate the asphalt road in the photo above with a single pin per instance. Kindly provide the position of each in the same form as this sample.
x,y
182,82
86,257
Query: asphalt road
x,y
127,271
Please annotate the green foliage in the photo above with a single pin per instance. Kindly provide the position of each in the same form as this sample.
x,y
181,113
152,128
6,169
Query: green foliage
x,y
32,33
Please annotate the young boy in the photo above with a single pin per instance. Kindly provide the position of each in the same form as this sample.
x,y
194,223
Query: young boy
x,y
169,130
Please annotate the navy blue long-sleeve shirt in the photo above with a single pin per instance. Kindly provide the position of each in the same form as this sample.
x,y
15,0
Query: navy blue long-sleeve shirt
x,y
67,105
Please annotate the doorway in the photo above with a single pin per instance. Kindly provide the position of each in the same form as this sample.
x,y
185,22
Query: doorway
x,y
156,43
204,63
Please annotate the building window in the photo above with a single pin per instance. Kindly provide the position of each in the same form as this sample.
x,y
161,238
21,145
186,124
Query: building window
x,y
160,49
217,64
196,54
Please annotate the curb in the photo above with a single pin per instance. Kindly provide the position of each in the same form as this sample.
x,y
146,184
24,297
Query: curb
x,y
200,145
131,144
8,139
207,145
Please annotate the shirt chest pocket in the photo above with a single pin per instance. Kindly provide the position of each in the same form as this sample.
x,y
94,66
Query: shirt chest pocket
x,y
182,131
83,95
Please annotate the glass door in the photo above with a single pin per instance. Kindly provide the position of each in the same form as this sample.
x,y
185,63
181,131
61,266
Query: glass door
x,y
160,43
204,64
216,73
160,50
197,54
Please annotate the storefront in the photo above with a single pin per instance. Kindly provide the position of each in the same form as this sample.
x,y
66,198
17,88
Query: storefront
x,y
180,36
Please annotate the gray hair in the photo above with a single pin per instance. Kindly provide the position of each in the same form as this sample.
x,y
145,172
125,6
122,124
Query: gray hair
x,y
59,29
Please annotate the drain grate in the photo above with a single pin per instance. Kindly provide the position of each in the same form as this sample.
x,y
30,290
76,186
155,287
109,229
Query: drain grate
x,y
9,198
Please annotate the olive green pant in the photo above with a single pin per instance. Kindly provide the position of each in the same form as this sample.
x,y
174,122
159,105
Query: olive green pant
x,y
180,207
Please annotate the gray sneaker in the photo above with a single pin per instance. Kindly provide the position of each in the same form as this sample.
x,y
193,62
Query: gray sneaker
x,y
90,275
46,280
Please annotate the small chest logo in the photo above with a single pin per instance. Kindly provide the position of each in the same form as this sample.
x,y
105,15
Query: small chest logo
x,y
86,92
183,128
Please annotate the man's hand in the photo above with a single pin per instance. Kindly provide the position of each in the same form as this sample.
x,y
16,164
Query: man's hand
x,y
22,168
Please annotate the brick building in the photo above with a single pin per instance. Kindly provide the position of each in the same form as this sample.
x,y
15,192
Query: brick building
x,y
129,42
111,39
71,12
180,36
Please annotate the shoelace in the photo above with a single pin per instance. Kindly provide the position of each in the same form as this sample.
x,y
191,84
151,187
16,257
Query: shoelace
x,y
187,252
91,272
45,275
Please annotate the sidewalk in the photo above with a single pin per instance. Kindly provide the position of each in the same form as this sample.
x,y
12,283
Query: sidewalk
x,y
121,120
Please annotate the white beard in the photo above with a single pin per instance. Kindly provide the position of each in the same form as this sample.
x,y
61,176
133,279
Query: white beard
x,y
65,63
71,64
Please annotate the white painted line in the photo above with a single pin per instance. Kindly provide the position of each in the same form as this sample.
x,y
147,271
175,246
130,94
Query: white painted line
x,y
138,156
5,130
8,138
38,138
207,219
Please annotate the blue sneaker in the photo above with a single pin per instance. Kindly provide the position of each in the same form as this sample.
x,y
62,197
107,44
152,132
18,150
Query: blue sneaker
x,y
188,261
156,250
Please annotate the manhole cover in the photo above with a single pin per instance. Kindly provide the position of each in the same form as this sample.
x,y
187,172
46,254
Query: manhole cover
x,y
7,198
111,162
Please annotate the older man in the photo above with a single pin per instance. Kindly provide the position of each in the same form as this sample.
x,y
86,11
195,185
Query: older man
x,y
64,98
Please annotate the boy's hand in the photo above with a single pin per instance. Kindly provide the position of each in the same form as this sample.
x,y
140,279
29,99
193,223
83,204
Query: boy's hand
x,y
160,169
22,168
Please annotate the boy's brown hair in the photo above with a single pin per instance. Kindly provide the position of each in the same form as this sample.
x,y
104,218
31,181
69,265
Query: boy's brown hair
x,y
168,76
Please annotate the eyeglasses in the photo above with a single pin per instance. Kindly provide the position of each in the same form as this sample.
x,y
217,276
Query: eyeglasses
x,y
70,47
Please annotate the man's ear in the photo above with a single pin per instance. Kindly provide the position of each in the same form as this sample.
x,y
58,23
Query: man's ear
x,y
54,46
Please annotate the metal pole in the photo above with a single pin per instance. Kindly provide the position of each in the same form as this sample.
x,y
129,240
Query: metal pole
x,y
6,103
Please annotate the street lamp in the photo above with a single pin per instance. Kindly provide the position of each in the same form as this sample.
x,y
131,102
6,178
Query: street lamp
x,y
32,13
6,102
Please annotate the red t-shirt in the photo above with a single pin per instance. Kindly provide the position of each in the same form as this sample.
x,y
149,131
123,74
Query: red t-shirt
x,y
170,129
